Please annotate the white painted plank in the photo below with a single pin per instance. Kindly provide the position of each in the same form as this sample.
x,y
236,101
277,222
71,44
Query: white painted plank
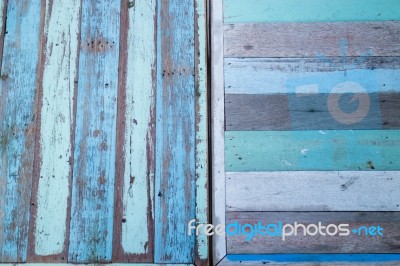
x,y
313,191
60,70
217,127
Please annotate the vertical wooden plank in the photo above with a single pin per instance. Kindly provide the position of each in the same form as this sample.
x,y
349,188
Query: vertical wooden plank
x,y
175,132
218,127
51,184
17,129
3,16
92,207
201,257
134,222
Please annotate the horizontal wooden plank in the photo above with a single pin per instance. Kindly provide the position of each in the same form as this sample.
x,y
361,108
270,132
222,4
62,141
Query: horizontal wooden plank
x,y
313,191
312,111
336,150
318,75
312,39
310,10
385,240
312,259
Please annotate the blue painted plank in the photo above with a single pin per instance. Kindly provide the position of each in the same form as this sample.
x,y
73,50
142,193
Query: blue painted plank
x,y
17,125
175,132
337,150
51,192
310,10
92,207
299,258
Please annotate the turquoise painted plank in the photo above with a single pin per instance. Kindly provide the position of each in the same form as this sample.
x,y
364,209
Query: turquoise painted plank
x,y
175,132
92,207
134,222
309,75
201,131
309,258
51,191
3,13
17,127
310,10
337,150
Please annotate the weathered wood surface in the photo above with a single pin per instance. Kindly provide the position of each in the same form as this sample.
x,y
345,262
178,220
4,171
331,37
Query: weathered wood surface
x,y
92,207
317,75
217,128
312,39
175,132
17,128
336,150
353,243
312,259
312,111
202,129
313,191
53,172
310,10
134,190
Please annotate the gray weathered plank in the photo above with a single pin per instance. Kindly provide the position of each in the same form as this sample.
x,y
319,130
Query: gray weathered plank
x,y
313,191
312,39
312,111
352,243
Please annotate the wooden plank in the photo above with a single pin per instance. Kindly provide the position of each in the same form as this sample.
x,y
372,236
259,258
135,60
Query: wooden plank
x,y
336,150
312,259
312,111
51,192
313,191
134,189
17,115
201,102
317,75
217,128
387,241
92,209
3,21
175,132
310,10
312,39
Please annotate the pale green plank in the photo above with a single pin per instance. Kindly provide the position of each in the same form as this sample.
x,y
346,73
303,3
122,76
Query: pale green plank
x,y
337,150
310,10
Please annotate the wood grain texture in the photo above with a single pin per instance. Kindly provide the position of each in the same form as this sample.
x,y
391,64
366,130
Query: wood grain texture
x,y
312,259
311,39
134,190
310,10
175,132
313,191
53,171
353,243
201,102
337,150
312,111
217,128
17,129
3,21
92,207
318,75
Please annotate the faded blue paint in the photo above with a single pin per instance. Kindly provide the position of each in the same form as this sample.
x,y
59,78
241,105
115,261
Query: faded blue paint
x,y
337,150
92,210
255,76
175,133
305,258
310,10
17,104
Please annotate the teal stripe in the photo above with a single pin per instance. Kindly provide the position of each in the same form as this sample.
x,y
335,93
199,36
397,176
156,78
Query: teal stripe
x,y
336,150
17,127
310,10
92,207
